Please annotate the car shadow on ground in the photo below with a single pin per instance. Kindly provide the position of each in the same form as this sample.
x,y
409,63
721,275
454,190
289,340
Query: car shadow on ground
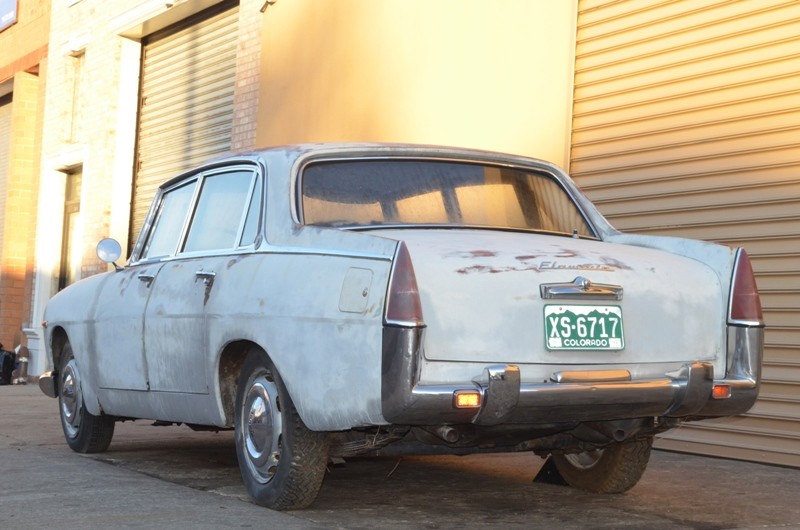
x,y
487,490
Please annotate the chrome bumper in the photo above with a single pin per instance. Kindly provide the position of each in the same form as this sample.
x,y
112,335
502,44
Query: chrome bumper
x,y
47,384
684,393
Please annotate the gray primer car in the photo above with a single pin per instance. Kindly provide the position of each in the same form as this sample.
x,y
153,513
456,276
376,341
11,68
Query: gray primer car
x,y
334,300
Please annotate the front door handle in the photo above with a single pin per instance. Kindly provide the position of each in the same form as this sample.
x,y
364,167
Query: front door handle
x,y
147,278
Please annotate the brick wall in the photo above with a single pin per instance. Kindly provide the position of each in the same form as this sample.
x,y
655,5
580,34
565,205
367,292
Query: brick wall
x,y
248,70
23,52
17,261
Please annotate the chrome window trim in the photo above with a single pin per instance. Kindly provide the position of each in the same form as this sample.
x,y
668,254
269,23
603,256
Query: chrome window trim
x,y
288,250
266,248
307,159
198,175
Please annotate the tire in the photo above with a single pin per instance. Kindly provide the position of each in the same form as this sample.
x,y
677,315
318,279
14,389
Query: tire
x,y
84,432
612,469
282,462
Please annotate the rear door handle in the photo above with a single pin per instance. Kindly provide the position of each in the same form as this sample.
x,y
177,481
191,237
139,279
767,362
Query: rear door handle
x,y
206,276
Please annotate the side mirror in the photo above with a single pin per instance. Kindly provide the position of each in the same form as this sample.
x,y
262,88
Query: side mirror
x,y
109,251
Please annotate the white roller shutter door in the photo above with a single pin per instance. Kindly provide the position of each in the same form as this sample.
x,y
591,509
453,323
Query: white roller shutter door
x,y
188,77
686,123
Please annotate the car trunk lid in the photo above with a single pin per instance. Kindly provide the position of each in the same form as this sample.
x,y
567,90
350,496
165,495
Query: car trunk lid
x,y
508,297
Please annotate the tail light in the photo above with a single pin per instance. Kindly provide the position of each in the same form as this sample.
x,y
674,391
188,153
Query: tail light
x,y
403,306
745,304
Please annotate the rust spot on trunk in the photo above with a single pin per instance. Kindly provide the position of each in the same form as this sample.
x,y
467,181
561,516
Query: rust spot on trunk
x,y
495,270
473,254
612,262
478,268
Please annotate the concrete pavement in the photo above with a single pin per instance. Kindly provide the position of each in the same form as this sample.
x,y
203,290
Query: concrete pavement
x,y
172,477
43,484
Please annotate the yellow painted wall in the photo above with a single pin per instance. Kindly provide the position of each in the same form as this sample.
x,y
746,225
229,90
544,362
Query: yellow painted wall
x,y
492,75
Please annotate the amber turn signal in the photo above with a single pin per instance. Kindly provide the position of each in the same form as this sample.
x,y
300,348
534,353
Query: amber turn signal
x,y
721,391
466,399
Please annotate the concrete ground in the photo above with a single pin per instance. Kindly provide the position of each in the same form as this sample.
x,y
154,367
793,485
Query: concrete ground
x,y
172,477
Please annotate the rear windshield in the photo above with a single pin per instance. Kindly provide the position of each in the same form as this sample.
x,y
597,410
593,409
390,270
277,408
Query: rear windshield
x,y
362,193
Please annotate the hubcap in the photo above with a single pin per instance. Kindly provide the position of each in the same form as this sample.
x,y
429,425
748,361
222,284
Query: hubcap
x,y
71,399
261,428
585,460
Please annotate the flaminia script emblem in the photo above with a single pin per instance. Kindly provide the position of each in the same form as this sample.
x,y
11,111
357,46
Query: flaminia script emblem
x,y
583,327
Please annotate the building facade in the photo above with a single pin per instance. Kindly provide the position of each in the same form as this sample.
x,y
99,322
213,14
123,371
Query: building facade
x,y
138,92
24,28
677,118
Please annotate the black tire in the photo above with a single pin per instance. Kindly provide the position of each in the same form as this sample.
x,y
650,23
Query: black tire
x,y
85,432
282,462
613,469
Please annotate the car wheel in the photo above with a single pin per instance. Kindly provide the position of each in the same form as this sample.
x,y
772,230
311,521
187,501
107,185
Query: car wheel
x,y
612,469
85,432
282,462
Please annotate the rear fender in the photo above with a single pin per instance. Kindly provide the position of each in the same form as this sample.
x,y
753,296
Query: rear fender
x,y
718,258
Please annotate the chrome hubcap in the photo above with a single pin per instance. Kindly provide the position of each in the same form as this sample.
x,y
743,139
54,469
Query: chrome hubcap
x,y
585,460
71,399
262,428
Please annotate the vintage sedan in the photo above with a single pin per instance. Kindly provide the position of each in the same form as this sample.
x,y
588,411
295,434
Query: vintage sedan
x,y
333,300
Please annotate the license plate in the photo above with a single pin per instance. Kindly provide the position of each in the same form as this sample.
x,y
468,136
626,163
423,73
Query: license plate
x,y
583,327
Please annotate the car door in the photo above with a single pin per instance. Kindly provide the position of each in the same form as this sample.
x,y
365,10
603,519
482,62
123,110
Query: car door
x,y
175,341
120,312
119,328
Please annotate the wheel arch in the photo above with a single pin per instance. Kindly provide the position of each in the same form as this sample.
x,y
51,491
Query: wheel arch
x,y
58,338
290,368
229,368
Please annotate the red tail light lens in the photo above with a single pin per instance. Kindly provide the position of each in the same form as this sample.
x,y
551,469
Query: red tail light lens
x,y
403,307
745,304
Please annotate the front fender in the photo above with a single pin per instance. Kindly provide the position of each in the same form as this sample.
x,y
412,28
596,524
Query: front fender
x,y
69,315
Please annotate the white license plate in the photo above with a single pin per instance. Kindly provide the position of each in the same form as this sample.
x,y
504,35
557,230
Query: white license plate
x,y
583,327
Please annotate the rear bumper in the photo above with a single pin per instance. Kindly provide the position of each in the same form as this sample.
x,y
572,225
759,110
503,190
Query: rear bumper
x,y
686,392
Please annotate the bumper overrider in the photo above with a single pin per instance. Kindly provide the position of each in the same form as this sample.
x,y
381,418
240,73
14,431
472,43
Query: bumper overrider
x,y
688,392
48,384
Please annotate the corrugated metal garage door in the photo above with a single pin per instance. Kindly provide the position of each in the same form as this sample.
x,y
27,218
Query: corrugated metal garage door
x,y
188,76
5,159
687,123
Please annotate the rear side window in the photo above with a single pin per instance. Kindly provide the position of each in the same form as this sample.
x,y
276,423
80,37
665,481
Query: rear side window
x,y
219,212
423,192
